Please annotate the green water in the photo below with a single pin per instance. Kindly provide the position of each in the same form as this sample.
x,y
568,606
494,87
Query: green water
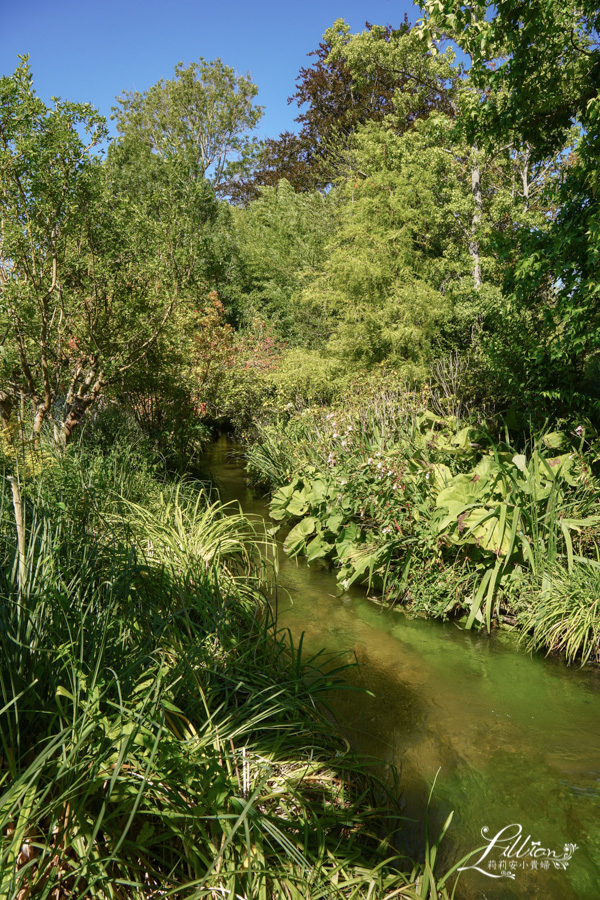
x,y
516,738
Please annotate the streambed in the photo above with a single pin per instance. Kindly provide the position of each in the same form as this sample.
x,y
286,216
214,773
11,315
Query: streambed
x,y
516,738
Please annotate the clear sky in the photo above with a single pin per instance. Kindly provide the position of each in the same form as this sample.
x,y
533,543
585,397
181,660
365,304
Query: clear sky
x,y
87,50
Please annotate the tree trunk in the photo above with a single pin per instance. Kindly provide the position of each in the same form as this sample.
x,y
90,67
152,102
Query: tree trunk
x,y
474,249
77,405
6,408
525,177
20,523
40,415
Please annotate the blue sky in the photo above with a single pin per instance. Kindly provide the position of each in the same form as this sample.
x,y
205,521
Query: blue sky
x,y
86,50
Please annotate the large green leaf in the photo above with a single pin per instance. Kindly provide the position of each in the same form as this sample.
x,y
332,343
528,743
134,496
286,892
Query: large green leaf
x,y
318,548
462,493
347,540
319,491
298,505
278,508
487,529
554,440
333,523
296,539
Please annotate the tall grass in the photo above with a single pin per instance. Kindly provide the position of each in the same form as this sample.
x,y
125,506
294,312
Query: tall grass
x,y
157,737
566,614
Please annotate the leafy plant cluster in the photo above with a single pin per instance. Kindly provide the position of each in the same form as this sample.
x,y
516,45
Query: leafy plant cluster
x,y
447,517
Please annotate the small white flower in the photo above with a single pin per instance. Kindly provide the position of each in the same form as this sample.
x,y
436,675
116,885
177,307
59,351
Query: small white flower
x,y
370,460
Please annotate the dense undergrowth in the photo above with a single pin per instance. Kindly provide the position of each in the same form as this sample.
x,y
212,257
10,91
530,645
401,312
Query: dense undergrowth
x,y
446,516
158,736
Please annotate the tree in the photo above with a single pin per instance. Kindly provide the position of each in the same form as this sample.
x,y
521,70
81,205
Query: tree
x,y
538,66
384,291
334,103
281,238
201,117
537,63
82,295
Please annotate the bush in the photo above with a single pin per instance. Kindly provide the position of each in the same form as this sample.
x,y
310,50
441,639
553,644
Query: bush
x,y
395,495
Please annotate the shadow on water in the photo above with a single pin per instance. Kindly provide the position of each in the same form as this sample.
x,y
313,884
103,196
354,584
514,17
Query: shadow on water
x,y
516,738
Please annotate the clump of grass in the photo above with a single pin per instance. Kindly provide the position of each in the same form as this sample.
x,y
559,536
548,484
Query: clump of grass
x,y
157,736
566,616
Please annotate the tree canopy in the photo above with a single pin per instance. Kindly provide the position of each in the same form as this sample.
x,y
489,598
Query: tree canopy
x,y
201,116
82,295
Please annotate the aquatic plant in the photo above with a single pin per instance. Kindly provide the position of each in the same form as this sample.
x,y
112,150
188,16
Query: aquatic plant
x,y
414,504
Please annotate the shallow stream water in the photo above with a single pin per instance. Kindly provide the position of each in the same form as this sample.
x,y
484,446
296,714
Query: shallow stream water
x,y
516,738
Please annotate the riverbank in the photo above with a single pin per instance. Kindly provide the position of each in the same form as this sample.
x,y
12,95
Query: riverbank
x,y
157,734
449,519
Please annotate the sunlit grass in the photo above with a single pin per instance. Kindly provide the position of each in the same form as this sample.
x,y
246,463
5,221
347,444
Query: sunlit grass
x,y
157,737
566,616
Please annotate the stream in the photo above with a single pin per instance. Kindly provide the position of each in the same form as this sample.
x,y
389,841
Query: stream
x,y
516,738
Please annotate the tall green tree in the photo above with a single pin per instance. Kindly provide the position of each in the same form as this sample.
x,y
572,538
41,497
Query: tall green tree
x,y
538,66
202,117
383,291
82,295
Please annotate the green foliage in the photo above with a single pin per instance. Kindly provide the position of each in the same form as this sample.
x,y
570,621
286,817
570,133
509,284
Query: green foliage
x,y
566,614
281,237
154,731
535,77
420,75
376,297
545,57
346,498
414,505
199,118
518,513
82,294
307,377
